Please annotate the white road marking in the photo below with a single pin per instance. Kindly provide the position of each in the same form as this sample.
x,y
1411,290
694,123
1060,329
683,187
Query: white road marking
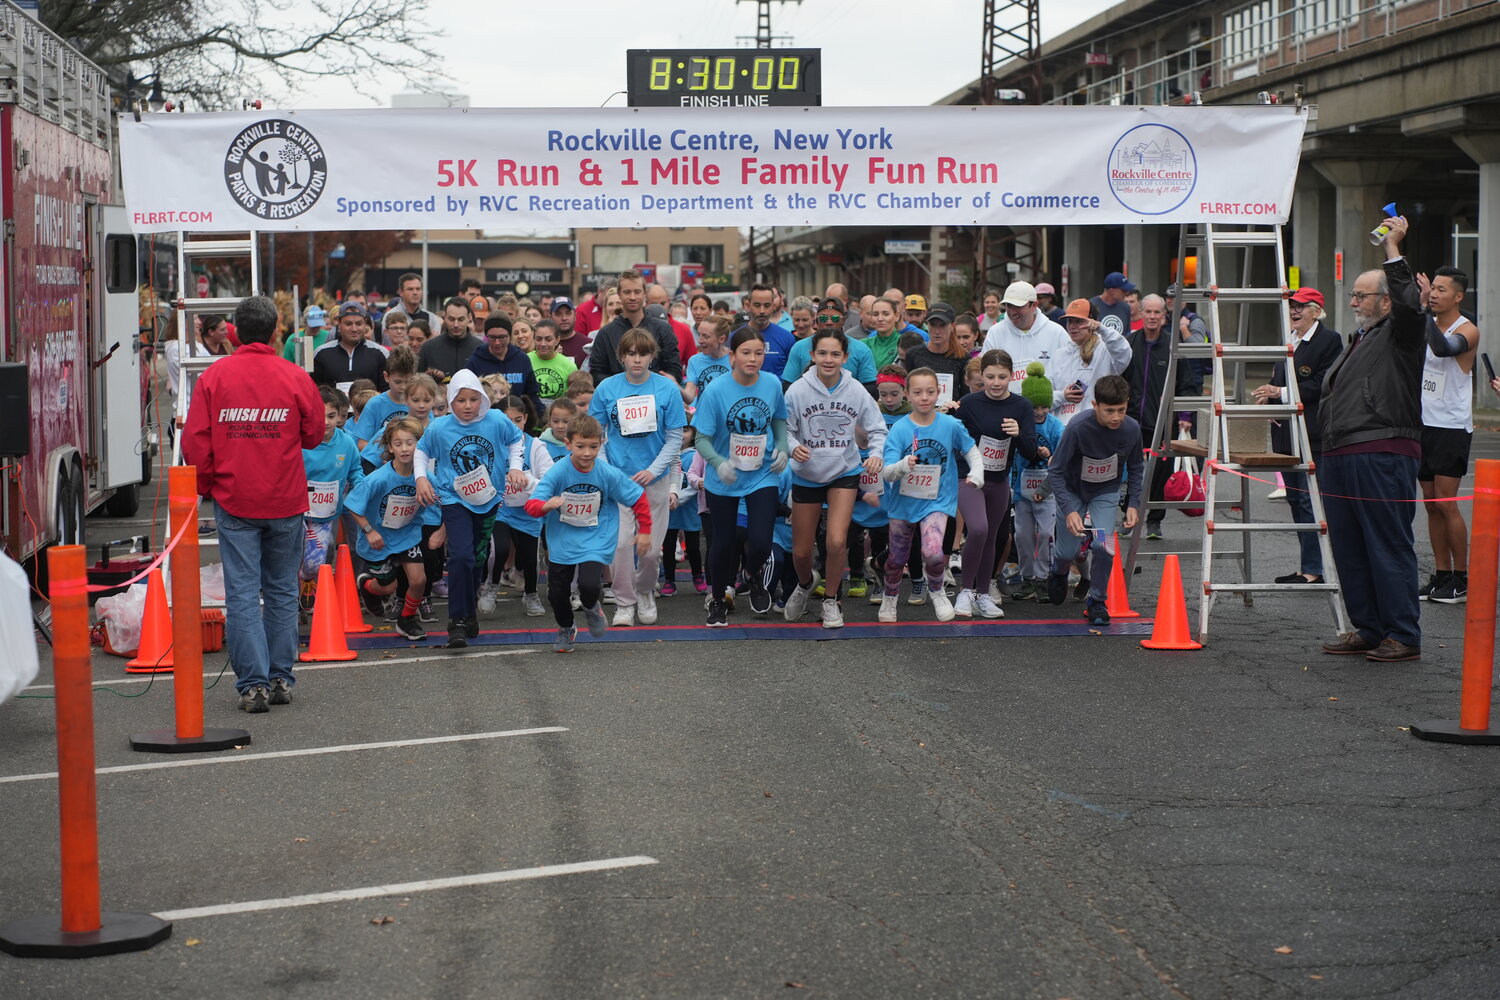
x,y
162,765
302,668
407,888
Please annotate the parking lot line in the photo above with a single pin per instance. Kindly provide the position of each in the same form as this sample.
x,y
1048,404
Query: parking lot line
x,y
407,888
162,765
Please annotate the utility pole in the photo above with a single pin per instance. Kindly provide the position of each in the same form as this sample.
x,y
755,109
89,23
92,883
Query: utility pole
x,y
763,40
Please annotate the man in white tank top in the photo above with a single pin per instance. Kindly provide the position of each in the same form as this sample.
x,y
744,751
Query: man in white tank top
x,y
1447,428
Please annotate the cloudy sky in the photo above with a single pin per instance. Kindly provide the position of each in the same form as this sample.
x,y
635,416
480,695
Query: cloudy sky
x,y
571,53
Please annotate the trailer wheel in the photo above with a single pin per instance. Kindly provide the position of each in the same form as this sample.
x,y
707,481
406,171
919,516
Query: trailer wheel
x,y
124,502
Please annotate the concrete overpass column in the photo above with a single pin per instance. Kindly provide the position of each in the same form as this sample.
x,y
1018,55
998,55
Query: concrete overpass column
x,y
1361,188
1484,149
1313,230
1081,251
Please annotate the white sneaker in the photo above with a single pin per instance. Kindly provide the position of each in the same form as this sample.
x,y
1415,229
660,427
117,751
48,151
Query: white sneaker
x,y
964,606
955,561
833,615
574,600
877,588
486,599
513,579
1279,493
625,615
988,608
796,604
941,606
994,591
645,610
918,594
887,608
609,596
533,605
948,580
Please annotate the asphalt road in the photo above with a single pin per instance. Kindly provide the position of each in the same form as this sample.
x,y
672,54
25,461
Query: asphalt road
x,y
1040,817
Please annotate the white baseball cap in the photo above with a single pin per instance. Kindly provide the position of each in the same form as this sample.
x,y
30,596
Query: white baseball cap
x,y
1019,293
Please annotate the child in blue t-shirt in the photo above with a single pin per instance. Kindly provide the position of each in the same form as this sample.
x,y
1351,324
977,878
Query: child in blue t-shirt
x,y
514,528
683,521
461,464
580,497
559,415
332,470
389,517
869,520
1035,506
400,366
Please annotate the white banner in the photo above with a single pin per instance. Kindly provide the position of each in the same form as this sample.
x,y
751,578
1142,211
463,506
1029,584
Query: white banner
x,y
461,168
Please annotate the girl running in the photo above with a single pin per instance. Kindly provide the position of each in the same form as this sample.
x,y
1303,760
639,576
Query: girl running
x,y
385,507
514,528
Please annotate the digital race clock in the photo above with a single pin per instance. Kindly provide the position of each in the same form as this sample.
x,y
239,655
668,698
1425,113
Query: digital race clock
x,y
723,78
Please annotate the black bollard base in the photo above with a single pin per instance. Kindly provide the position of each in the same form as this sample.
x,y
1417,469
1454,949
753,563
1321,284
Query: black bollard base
x,y
42,937
167,741
1449,731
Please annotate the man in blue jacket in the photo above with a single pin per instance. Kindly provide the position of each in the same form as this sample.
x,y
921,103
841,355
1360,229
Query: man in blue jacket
x,y
498,356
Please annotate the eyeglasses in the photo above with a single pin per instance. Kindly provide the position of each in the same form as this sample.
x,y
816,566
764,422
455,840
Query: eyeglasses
x,y
1361,296
1297,306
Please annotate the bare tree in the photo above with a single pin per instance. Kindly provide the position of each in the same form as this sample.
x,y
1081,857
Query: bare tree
x,y
216,52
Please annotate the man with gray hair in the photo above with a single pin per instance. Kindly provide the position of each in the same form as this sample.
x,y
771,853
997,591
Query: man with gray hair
x,y
251,416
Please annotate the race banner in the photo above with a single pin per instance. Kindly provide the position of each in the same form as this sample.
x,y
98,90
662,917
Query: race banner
x,y
458,168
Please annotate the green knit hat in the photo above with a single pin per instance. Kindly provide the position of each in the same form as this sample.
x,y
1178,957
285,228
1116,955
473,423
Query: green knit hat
x,y
1037,387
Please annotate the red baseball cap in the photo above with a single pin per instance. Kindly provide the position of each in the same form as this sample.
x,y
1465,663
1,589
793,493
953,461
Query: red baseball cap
x,y
1308,294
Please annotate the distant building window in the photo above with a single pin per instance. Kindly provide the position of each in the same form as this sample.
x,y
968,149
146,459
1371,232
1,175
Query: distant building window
x,y
1250,32
612,260
711,256
1317,17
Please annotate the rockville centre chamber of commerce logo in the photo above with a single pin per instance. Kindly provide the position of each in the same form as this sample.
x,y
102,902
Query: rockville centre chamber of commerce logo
x,y
276,169
1152,169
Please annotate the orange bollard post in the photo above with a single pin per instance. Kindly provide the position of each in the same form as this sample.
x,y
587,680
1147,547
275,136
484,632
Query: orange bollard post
x,y
153,655
83,930
327,642
1117,598
1473,726
1171,628
187,633
348,592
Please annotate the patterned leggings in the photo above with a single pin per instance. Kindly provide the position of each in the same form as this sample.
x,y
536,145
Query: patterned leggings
x,y
932,528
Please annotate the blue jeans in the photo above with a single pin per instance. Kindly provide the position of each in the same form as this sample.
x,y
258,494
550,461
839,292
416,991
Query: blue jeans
x,y
468,547
1372,542
1100,513
1302,513
261,558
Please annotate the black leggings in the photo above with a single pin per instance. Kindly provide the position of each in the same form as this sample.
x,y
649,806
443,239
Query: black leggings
x,y
560,588
525,545
691,541
760,516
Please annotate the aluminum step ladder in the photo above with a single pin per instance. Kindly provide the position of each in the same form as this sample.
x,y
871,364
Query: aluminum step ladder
x,y
1262,335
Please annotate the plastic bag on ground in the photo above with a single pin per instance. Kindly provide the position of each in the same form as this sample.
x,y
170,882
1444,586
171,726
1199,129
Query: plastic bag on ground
x,y
211,583
18,667
122,614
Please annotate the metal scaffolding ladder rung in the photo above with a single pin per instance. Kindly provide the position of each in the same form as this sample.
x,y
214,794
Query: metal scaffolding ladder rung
x,y
1259,290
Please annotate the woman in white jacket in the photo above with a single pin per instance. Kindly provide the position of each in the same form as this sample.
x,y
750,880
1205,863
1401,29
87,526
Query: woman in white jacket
x,y
823,409
1080,364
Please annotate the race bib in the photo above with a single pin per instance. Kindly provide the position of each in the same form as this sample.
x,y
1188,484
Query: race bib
x,y
517,496
322,499
637,414
746,451
343,386
1033,483
581,510
945,388
868,482
921,483
399,511
475,488
1067,409
994,452
1100,470
1433,383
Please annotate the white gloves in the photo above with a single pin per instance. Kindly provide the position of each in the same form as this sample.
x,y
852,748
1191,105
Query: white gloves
x,y
778,461
976,477
727,472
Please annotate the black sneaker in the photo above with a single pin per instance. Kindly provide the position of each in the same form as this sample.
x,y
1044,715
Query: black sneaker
x,y
1153,531
1455,590
458,634
255,700
760,598
281,692
374,603
1434,581
1098,616
718,615
425,612
471,626
1081,589
1057,587
409,627
391,608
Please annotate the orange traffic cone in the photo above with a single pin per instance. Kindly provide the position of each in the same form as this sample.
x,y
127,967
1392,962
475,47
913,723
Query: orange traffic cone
x,y
327,640
348,593
154,654
1171,628
1117,600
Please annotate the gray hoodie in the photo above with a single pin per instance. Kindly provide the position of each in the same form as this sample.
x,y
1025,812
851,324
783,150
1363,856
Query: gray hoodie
x,y
824,421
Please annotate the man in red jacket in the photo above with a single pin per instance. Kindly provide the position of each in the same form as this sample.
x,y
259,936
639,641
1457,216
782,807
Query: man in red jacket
x,y
245,431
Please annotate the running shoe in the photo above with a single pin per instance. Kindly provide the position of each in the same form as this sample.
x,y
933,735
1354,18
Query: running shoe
x,y
1081,588
440,589
994,590
718,615
255,700
1153,531
390,608
887,608
458,635
1057,587
1454,591
486,598
595,620
532,604
1028,592
796,604
963,607
373,603
1098,616
857,587
760,598
819,590
409,627
700,584
624,615
668,589
918,592
574,602
987,608
425,612
513,578
833,614
941,606
609,595
1434,581
1010,573
564,641
645,609
281,692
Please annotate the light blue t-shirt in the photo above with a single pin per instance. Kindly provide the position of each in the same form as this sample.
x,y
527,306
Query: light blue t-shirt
x,y
334,461
730,408
371,424
781,528
388,500
536,460
702,370
594,496
864,515
459,449
940,444
685,516
860,362
634,452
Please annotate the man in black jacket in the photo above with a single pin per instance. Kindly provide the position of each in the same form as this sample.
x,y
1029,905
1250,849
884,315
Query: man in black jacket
x,y
340,362
1317,349
1371,419
451,350
604,359
1147,375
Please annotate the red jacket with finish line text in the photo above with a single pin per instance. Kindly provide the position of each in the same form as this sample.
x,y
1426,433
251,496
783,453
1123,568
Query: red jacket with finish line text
x,y
251,416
